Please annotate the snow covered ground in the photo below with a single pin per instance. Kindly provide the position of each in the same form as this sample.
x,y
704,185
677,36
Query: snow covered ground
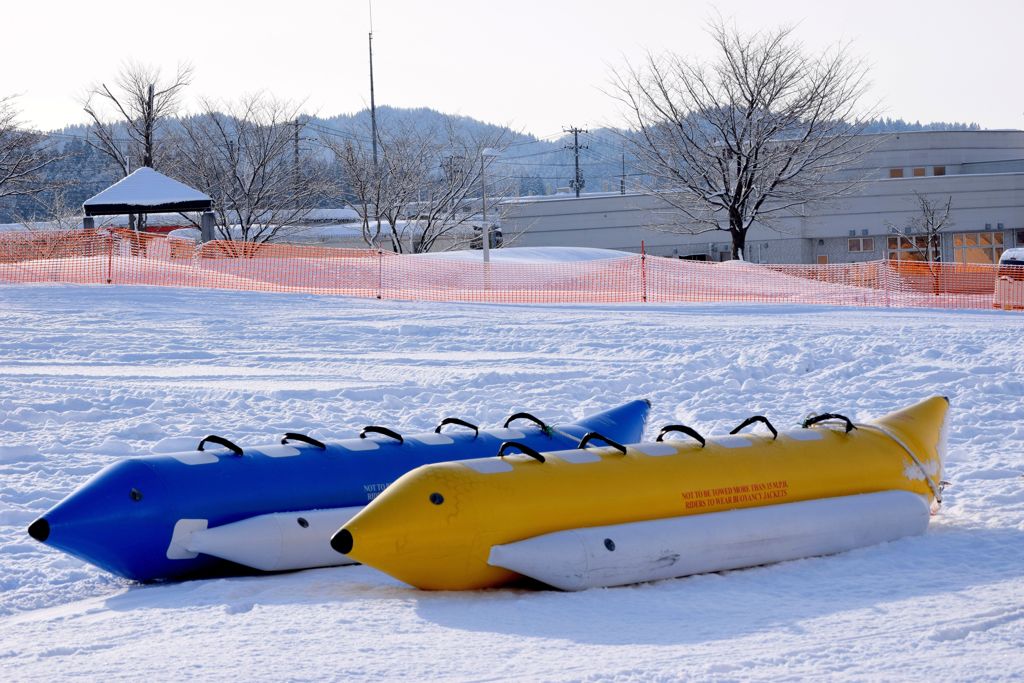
x,y
90,374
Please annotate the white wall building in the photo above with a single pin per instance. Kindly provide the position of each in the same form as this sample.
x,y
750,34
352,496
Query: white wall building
x,y
981,171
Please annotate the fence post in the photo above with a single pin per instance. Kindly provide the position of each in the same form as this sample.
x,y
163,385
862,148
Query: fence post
x,y
207,222
110,256
380,274
643,272
886,272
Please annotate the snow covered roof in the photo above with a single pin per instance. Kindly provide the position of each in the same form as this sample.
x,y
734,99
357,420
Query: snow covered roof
x,y
146,191
331,215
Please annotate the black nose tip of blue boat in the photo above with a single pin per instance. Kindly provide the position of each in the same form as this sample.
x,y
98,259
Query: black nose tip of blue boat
x,y
342,542
39,530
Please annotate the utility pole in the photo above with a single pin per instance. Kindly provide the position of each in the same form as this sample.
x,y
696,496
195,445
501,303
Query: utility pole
x,y
149,123
373,104
485,230
373,127
295,160
483,187
622,180
577,182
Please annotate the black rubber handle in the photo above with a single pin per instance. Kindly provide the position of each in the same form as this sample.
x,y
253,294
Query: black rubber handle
x,y
374,429
527,416
829,416
523,448
757,418
294,436
457,421
590,436
221,441
689,431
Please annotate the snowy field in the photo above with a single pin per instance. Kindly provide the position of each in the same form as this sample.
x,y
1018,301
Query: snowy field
x,y
91,374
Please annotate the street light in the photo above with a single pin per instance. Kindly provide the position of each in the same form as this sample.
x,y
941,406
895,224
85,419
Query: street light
x,y
485,231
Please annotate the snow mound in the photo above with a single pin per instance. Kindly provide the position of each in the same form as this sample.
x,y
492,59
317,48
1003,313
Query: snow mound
x,y
532,254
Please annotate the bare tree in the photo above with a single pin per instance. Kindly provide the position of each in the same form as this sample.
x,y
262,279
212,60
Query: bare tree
x,y
428,186
762,131
138,104
384,190
127,118
922,234
24,156
248,158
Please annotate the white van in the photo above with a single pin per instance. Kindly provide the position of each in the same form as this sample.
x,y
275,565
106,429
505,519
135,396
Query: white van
x,y
1009,292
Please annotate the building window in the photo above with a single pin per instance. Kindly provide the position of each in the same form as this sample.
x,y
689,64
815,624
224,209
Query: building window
x,y
919,171
895,172
905,249
861,244
938,170
977,247
1020,237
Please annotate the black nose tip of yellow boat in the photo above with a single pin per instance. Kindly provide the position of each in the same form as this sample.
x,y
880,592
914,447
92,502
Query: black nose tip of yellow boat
x,y
342,541
39,530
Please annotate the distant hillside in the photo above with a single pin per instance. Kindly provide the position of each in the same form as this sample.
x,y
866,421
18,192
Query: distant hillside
x,y
888,125
421,119
530,166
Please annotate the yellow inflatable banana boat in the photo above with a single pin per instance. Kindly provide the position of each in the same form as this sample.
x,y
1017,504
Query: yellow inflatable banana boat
x,y
436,526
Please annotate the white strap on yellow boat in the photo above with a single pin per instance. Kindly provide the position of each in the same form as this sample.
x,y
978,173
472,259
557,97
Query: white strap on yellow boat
x,y
932,484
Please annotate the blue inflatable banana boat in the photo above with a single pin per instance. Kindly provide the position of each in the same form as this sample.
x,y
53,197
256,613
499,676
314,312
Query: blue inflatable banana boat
x,y
136,518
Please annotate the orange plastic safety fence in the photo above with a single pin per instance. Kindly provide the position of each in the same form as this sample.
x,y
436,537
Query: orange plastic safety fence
x,y
125,257
437,278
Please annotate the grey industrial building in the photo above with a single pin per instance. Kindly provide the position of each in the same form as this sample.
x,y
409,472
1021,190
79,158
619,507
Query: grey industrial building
x,y
981,172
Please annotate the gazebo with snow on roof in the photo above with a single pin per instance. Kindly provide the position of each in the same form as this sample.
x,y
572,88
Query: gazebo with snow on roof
x,y
146,191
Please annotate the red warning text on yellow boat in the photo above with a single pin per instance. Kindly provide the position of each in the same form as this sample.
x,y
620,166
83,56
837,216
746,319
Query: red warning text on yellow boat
x,y
756,492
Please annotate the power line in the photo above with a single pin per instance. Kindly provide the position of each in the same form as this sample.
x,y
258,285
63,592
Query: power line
x,y
593,177
528,165
535,139
532,154
83,138
336,132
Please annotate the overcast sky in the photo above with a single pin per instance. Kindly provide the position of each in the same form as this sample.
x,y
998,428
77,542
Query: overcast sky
x,y
537,65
